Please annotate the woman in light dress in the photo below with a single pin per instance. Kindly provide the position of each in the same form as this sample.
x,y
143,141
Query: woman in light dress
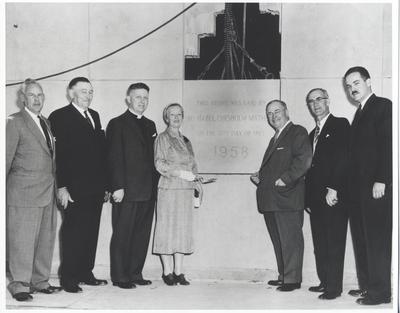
x,y
175,161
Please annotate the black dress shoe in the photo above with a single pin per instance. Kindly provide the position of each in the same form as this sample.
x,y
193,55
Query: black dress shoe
x,y
276,282
125,285
141,282
289,287
319,288
181,280
169,279
22,296
368,301
50,290
72,288
358,293
93,282
328,296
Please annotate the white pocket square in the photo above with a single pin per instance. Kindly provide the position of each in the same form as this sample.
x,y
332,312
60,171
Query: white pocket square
x,y
155,134
327,135
280,148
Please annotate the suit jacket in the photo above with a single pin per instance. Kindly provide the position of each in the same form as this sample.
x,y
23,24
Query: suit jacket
x,y
30,167
371,147
288,159
81,155
329,162
131,157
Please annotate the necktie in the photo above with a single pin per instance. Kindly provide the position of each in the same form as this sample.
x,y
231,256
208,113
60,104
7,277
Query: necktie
x,y
46,134
357,115
88,119
316,134
276,136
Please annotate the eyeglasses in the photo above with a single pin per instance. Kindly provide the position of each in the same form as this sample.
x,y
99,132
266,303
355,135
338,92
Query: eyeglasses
x,y
317,100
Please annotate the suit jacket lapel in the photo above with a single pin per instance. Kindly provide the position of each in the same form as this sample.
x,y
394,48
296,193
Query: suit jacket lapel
x,y
35,130
366,108
271,147
81,118
323,133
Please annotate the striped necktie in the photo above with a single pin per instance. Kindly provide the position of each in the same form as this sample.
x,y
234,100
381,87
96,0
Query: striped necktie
x,y
46,134
316,134
88,119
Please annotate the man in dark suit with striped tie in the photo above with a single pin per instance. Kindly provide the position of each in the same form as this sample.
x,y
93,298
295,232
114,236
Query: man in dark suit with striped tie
x,y
31,207
81,178
325,193
370,188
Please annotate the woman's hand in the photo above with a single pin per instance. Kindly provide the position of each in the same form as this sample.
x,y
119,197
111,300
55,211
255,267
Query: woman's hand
x,y
187,175
199,188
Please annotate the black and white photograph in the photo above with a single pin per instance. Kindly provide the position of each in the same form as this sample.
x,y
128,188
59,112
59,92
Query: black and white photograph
x,y
201,155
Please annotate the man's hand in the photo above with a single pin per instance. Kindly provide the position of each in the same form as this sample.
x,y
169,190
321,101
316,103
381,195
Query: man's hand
x,y
378,190
255,178
64,196
331,197
279,182
107,196
118,195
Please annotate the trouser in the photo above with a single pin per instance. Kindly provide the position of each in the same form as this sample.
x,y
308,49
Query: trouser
x,y
31,236
285,230
329,230
131,221
371,226
79,235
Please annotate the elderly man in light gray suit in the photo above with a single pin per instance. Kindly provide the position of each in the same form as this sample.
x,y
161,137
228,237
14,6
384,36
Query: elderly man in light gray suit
x,y
30,192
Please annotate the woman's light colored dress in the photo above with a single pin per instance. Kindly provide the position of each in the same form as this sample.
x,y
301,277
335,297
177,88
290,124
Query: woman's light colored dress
x,y
174,217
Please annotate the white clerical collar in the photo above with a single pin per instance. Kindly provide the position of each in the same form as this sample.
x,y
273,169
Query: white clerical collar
x,y
82,111
139,116
284,126
322,122
365,101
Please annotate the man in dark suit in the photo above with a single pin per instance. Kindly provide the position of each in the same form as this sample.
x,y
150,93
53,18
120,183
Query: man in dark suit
x,y
31,209
130,141
370,188
280,193
325,188
81,178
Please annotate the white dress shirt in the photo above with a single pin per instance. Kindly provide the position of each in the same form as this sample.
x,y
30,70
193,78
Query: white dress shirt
x,y
320,124
365,101
82,111
36,120
280,130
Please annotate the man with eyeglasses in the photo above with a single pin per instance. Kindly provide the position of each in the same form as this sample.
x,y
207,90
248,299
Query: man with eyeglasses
x,y
325,193
30,190
81,179
370,188
280,193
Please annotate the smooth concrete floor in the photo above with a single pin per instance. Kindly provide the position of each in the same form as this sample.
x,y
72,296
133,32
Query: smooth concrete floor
x,y
201,294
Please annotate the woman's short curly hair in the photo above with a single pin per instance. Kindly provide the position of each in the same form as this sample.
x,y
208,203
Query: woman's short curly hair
x,y
165,111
